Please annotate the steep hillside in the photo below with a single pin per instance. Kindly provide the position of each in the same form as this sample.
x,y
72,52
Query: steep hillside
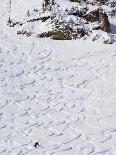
x,y
66,20
57,97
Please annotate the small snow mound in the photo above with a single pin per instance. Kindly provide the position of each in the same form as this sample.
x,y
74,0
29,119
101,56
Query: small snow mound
x,y
103,37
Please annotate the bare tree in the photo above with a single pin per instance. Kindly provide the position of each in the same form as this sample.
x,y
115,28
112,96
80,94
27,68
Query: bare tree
x,y
9,20
10,3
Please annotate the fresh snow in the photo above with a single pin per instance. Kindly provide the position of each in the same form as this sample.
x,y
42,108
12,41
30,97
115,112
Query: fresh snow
x,y
61,94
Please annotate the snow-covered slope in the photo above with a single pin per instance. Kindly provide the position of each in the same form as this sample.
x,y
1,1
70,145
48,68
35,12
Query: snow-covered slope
x,y
60,94
70,19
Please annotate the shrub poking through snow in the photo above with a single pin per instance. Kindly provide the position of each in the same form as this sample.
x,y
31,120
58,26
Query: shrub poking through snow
x,y
64,34
83,17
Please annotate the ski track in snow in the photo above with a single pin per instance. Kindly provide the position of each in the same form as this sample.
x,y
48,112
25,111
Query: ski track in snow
x,y
68,107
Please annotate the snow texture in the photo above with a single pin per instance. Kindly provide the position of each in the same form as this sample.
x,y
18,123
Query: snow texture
x,y
61,94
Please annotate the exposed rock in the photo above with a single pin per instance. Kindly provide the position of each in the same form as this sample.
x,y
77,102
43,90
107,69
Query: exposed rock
x,y
101,17
64,34
104,22
92,16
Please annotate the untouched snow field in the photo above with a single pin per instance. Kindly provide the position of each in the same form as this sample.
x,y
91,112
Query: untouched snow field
x,y
61,94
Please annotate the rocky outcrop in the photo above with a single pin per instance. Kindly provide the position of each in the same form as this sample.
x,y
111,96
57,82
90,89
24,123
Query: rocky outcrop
x,y
64,34
100,17
104,22
92,16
